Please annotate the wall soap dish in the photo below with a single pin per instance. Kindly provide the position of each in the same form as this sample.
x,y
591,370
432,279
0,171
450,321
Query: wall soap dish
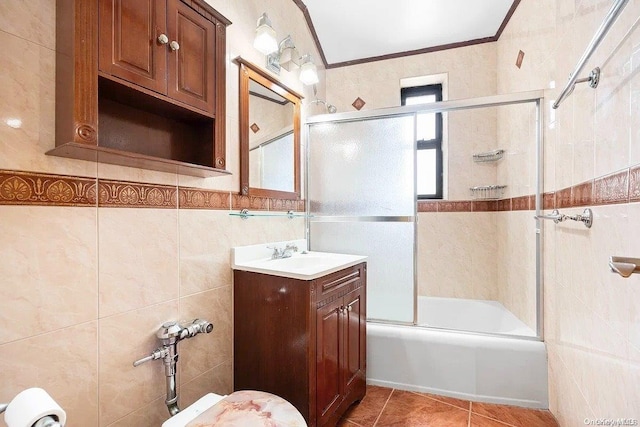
x,y
624,266
487,192
489,156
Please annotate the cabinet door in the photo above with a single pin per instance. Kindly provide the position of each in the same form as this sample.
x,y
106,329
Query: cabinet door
x,y
354,337
191,66
328,358
128,42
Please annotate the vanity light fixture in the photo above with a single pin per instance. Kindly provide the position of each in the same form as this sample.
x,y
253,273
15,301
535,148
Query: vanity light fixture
x,y
284,54
308,71
265,40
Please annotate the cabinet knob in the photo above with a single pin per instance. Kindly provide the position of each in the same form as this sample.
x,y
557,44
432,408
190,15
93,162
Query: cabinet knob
x,y
174,45
163,39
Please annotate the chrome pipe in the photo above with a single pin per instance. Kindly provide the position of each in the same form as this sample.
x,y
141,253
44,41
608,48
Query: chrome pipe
x,y
609,19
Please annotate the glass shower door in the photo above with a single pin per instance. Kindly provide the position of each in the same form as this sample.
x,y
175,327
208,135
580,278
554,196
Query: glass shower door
x,y
361,193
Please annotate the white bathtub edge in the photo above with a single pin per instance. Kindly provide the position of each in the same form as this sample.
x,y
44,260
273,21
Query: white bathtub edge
x,y
533,404
472,367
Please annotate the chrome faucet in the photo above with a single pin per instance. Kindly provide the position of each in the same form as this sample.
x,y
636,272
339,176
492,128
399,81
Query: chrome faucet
x,y
170,333
285,252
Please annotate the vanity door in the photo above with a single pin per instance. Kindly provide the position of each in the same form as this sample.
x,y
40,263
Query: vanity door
x,y
355,346
329,343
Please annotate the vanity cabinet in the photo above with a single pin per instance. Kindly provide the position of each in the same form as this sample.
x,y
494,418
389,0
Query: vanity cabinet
x,y
142,83
304,340
163,46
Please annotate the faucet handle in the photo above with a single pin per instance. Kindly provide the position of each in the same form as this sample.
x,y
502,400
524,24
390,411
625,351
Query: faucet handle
x,y
157,354
277,252
291,246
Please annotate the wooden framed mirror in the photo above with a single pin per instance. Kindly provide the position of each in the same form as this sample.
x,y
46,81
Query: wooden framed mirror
x,y
269,135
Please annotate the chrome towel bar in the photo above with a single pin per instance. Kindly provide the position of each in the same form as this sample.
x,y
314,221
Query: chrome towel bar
x,y
586,217
594,77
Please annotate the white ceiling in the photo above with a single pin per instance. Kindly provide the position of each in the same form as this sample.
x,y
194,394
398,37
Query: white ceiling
x,y
357,30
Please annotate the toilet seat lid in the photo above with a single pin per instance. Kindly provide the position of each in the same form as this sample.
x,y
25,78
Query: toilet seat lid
x,y
250,408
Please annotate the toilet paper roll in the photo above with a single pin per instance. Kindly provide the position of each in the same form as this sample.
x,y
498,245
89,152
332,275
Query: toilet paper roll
x,y
31,405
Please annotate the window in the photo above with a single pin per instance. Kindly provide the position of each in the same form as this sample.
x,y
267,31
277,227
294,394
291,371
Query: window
x,y
429,134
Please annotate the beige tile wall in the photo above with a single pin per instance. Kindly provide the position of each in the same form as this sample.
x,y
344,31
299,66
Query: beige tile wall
x,y
83,289
468,241
592,320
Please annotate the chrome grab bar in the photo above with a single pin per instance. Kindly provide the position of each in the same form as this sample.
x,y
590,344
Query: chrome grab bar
x,y
586,217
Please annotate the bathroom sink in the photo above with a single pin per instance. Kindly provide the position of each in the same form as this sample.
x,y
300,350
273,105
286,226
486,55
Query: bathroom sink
x,y
301,265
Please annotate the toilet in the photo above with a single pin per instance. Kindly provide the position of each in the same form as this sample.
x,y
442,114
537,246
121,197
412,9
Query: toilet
x,y
244,408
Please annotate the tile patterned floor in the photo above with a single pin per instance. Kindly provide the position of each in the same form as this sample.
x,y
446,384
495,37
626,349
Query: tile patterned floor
x,y
386,407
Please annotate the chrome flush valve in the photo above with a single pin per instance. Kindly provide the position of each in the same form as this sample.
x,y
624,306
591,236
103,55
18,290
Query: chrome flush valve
x,y
196,327
170,333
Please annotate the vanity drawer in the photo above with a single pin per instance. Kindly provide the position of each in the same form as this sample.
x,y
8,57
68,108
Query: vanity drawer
x,y
350,277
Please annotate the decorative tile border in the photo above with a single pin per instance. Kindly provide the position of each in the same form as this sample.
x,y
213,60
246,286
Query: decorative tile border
x,y
619,187
238,202
634,184
121,194
192,198
612,188
39,189
286,205
26,188
548,200
484,205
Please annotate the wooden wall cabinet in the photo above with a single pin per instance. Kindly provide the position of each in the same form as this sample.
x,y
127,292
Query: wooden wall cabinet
x,y
142,83
303,340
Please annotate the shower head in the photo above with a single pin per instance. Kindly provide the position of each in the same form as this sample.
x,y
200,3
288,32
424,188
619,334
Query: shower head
x,y
330,107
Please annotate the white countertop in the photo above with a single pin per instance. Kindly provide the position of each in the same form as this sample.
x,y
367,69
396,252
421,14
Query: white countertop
x,y
301,265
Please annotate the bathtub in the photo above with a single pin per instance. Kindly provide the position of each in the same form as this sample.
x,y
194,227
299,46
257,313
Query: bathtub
x,y
489,317
510,371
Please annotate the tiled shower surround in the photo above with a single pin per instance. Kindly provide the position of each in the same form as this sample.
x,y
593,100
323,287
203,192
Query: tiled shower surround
x,y
591,158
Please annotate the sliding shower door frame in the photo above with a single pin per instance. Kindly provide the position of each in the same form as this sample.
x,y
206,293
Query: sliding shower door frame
x,y
536,97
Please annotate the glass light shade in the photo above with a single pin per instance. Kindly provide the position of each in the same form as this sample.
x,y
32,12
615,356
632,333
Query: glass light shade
x,y
265,40
309,73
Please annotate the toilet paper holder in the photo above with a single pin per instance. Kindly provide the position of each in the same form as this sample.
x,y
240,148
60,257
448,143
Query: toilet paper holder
x,y
47,421
44,421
